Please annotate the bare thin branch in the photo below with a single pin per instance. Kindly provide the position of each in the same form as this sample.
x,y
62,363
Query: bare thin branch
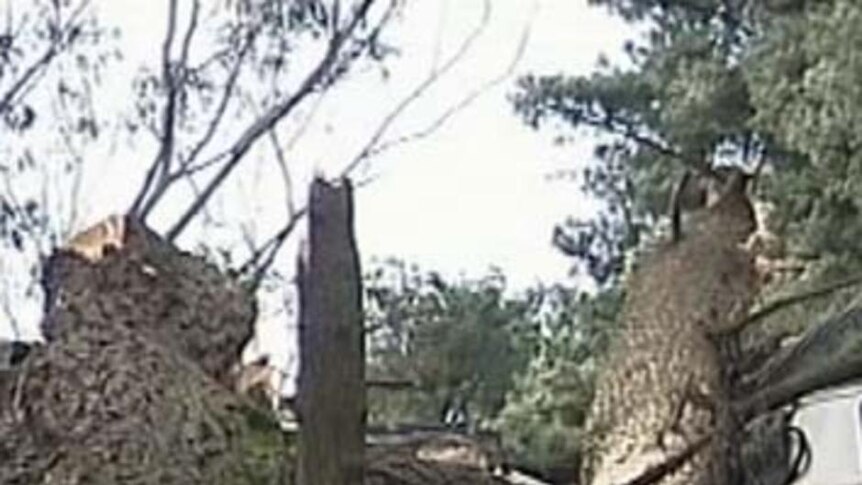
x,y
422,87
271,118
187,166
263,258
43,61
190,32
281,160
160,165
835,370
227,93
464,103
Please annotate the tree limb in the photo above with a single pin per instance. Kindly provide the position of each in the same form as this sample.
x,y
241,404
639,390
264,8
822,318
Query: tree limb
x,y
271,118
655,473
610,125
834,371
160,166
264,257
463,103
422,87
186,167
791,300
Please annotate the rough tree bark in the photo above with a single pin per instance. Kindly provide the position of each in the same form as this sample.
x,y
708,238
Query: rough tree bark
x,y
128,388
661,413
331,399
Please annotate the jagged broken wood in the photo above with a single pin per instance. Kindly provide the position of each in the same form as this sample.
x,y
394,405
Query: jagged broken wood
x,y
331,386
129,386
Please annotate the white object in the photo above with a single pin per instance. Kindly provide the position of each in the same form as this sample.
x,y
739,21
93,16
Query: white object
x,y
832,423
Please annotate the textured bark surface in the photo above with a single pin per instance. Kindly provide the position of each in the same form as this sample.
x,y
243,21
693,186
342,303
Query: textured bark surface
x,y
331,387
126,389
664,388
149,286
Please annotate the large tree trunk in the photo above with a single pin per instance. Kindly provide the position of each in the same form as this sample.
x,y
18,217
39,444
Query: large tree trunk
x,y
331,387
128,388
661,413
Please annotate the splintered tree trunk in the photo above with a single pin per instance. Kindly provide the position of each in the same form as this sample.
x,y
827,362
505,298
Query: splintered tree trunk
x,y
331,391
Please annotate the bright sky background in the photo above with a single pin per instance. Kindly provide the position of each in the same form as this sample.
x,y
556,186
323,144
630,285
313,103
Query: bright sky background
x,y
476,194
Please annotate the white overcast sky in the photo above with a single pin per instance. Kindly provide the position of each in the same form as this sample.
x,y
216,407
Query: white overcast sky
x,y
476,194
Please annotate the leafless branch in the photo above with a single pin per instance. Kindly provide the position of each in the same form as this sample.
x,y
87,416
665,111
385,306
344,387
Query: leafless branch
x,y
461,105
422,87
281,160
190,32
161,165
262,259
271,118
227,93
336,15
186,166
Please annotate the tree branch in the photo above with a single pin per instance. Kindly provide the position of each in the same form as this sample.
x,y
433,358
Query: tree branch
x,y
791,300
465,102
271,118
629,133
186,167
422,87
263,258
161,164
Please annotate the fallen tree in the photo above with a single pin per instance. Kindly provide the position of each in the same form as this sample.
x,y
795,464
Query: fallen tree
x,y
129,386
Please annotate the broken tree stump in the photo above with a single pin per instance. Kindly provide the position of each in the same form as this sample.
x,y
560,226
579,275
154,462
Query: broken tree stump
x,y
331,386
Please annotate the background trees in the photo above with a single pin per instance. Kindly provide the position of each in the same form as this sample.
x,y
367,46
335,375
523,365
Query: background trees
x,y
457,346
769,85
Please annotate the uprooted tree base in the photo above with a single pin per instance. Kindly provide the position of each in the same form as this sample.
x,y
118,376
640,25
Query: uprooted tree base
x,y
130,384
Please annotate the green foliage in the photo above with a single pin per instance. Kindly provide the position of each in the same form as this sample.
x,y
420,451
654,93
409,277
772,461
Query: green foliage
x,y
458,342
544,415
525,365
804,76
768,85
716,82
